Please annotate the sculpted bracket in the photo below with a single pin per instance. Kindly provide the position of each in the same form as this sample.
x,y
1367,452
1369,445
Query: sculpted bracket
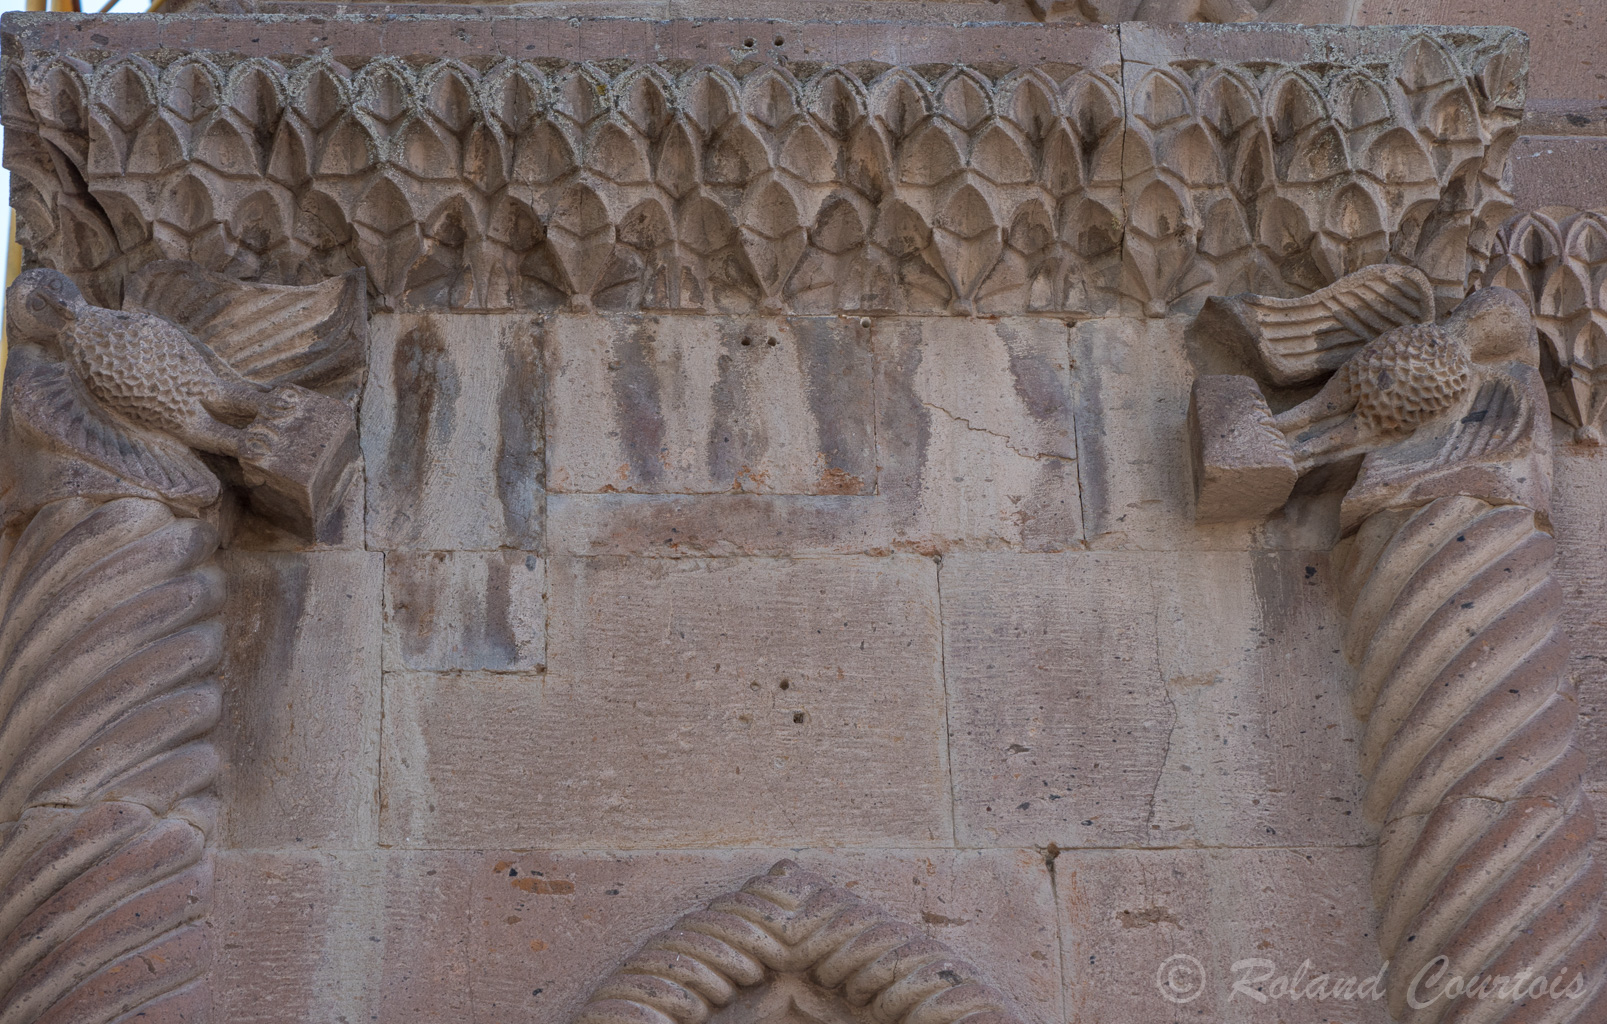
x,y
121,429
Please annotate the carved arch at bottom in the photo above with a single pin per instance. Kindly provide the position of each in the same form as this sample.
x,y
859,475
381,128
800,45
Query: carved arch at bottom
x,y
793,925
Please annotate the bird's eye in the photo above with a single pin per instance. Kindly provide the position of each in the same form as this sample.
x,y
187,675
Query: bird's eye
x,y
36,303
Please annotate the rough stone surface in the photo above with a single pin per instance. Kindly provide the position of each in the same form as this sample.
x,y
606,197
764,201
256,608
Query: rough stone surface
x,y
1552,170
1092,705
684,405
701,526
690,703
452,433
977,442
1125,913
1581,563
302,698
448,610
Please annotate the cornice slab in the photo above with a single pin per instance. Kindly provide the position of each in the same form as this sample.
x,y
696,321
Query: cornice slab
x,y
494,162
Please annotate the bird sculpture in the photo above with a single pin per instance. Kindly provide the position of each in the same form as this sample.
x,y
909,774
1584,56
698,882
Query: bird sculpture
x,y
1407,376
139,366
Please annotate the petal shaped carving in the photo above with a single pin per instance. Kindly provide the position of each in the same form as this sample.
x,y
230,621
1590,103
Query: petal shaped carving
x,y
1412,129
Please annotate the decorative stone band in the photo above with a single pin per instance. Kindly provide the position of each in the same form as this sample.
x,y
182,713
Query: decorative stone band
x,y
1558,260
791,921
1136,179
1470,757
108,642
1111,12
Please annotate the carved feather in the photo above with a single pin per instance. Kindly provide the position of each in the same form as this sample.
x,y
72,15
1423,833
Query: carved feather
x,y
1299,341
314,335
50,402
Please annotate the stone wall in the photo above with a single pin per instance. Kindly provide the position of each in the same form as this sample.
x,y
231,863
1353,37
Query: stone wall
x,y
673,556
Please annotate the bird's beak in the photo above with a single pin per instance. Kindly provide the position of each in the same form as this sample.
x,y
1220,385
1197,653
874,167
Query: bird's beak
x,y
60,305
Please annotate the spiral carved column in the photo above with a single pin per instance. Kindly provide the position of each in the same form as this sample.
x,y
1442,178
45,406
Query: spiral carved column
x,y
1485,880
1469,754
108,640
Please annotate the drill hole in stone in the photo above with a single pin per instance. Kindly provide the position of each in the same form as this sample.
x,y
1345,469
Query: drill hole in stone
x,y
786,684
746,342
797,718
771,343
749,43
780,41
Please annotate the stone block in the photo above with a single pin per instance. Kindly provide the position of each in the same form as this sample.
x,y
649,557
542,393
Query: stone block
x,y
1549,170
448,610
301,719
1576,513
1132,921
678,405
717,525
452,432
547,927
976,439
1132,390
1148,699
689,703
1566,38
332,938
1242,464
247,530
455,746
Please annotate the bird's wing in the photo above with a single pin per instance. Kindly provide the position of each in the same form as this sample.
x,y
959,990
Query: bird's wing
x,y
1299,341
47,400
1494,423
313,335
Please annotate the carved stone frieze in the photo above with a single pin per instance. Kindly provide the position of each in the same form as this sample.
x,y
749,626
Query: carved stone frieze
x,y
1110,12
1470,748
1557,259
1142,184
837,949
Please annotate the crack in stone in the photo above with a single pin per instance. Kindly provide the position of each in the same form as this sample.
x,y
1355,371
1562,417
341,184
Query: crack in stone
x,y
1009,442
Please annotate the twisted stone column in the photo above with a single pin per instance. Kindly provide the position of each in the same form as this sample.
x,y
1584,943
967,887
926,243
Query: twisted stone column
x,y
1470,758
110,601
109,638
1485,881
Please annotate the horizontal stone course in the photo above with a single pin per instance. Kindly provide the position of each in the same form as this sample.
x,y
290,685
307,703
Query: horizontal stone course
x,y
689,703
409,935
1107,699
1130,918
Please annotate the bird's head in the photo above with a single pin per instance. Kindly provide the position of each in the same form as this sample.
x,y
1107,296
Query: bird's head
x,y
1496,326
40,303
